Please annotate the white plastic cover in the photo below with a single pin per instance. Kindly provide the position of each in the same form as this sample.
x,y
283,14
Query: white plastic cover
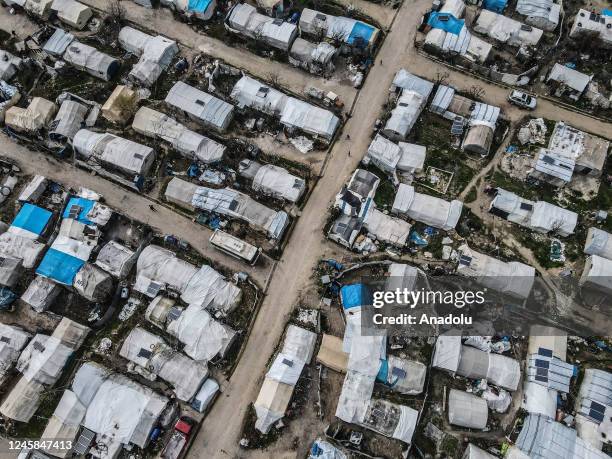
x,y
209,289
467,410
386,228
116,259
277,182
447,352
285,369
355,397
40,293
205,395
427,209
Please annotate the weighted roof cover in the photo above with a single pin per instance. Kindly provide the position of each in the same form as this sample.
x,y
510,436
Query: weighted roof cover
x,y
467,410
204,107
427,209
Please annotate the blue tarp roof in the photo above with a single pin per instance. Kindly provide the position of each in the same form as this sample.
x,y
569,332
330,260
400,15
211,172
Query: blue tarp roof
x,y
199,6
32,218
59,266
355,295
85,204
446,22
606,12
496,6
361,30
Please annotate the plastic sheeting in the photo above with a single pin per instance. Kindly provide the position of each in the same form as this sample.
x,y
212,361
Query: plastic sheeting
x,y
309,118
355,397
271,403
156,264
427,209
548,217
12,341
203,337
387,229
209,289
405,114
71,12
35,117
321,449
116,152
506,30
90,60
497,369
200,105
598,272
17,246
245,19
467,410
513,278
235,204
474,452
69,120
285,369
349,30
9,64
116,259
299,343
40,294
191,144
447,352
248,92
392,420
155,356
277,182
93,283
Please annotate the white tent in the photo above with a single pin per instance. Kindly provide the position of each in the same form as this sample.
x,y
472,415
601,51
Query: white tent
x,y
538,399
598,242
389,156
514,278
203,287
404,115
35,117
244,19
90,60
548,217
390,419
203,337
467,410
129,157
156,53
116,259
474,452
497,369
404,376
248,92
93,283
69,120
71,12
191,144
203,107
355,397
447,352
386,228
277,182
65,422
314,57
40,294
205,395
349,30
427,209
598,273
9,64
271,403
12,341
151,353
18,246
506,30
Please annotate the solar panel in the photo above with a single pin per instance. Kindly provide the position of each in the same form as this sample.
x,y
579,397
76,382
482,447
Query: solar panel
x,y
145,353
153,289
545,352
599,417
82,444
38,346
174,314
465,260
597,406
74,211
5,339
541,372
288,362
526,206
541,379
542,363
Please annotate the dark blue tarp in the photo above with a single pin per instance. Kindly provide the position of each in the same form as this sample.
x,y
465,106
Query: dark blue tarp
x,y
446,22
85,206
32,218
355,295
59,266
497,6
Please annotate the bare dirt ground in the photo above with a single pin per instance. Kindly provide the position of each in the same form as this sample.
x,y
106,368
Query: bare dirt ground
x,y
136,206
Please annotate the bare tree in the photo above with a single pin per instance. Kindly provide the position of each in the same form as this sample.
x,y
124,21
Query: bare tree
x,y
476,92
275,79
441,77
116,11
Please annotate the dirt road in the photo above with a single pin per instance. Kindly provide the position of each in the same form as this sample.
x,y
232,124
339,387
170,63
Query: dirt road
x,y
133,205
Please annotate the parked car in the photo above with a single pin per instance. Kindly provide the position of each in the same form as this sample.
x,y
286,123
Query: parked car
x,y
179,439
522,99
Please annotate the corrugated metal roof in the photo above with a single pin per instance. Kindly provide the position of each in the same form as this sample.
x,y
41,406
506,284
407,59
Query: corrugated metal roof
x,y
550,163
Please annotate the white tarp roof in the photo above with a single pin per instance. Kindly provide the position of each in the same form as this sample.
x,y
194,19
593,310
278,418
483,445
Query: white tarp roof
x,y
427,209
235,204
355,397
89,59
69,119
598,242
248,92
93,283
309,118
467,410
514,278
130,157
205,287
154,355
574,79
299,343
390,419
497,369
204,107
203,337
116,259
386,228
538,399
407,81
72,12
598,271
405,114
447,352
40,293
65,422
12,341
474,452
18,246
193,145
277,182
506,30
389,156
405,376
271,403
245,19
205,395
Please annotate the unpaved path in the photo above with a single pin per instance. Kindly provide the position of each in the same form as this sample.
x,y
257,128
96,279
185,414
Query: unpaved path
x,y
133,205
